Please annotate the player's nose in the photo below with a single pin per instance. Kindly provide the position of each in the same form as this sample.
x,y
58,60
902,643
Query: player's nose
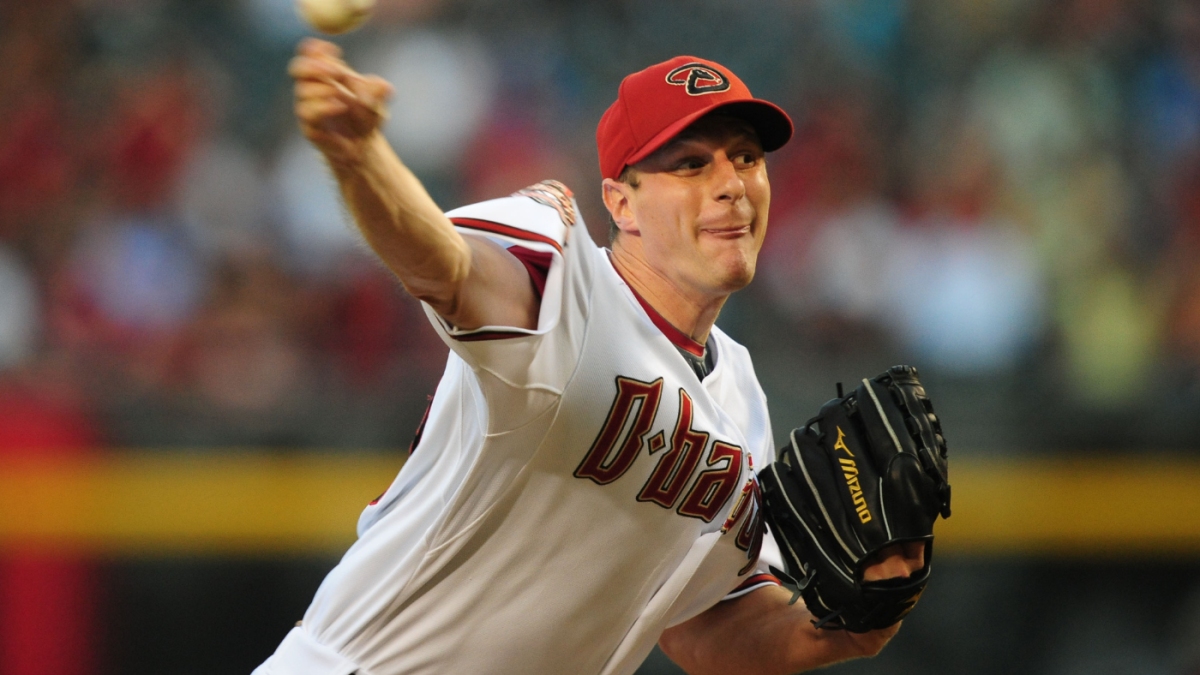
x,y
727,182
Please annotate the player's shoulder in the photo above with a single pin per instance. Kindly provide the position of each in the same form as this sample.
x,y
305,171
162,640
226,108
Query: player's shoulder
x,y
539,216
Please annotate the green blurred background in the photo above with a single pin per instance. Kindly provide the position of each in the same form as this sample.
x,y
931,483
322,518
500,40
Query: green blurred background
x,y
203,374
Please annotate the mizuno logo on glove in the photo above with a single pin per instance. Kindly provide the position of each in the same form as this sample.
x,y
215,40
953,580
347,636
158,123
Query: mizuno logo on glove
x,y
841,442
856,493
850,469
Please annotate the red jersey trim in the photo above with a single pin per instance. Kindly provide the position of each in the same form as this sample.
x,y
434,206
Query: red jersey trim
x,y
537,263
757,579
505,230
753,583
676,336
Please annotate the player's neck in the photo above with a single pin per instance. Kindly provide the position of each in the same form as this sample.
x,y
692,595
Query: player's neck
x,y
692,312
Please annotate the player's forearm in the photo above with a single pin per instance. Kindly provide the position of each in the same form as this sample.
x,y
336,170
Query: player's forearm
x,y
760,634
403,225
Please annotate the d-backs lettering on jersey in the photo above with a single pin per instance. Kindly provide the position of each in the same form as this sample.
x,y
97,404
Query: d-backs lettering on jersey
x,y
624,435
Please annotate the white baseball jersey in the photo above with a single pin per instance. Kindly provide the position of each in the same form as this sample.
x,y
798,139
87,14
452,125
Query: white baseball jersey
x,y
576,490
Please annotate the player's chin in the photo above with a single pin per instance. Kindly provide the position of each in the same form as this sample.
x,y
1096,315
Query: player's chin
x,y
735,270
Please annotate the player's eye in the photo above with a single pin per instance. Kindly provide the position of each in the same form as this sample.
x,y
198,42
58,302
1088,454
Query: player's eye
x,y
745,159
690,164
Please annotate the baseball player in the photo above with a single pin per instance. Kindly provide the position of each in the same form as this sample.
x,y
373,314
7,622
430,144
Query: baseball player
x,y
583,486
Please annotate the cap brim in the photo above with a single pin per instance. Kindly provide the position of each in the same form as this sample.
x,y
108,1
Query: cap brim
x,y
770,122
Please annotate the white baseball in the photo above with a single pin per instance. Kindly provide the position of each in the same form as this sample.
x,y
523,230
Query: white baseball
x,y
335,16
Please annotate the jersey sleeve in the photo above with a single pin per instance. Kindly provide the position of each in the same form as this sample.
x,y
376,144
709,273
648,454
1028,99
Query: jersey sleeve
x,y
762,576
540,226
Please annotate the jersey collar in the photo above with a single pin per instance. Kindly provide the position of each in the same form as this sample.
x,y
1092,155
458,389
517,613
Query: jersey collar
x,y
677,337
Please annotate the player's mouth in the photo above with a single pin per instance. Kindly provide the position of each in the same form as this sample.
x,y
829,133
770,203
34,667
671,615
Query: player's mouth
x,y
727,232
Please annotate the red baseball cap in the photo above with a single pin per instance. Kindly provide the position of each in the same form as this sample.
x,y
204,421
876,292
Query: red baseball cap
x,y
655,104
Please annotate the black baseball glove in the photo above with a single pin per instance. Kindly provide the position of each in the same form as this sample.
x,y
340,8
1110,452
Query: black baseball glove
x,y
869,471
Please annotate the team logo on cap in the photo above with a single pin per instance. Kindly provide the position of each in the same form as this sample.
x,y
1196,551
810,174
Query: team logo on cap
x,y
698,79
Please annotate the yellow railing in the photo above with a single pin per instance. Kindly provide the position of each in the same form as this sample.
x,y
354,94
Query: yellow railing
x,y
135,503
163,502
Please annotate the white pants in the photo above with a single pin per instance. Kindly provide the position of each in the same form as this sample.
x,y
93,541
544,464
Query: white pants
x,y
301,654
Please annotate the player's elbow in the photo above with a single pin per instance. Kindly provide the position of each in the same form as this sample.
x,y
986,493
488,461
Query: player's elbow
x,y
671,644
443,295
679,655
439,282
696,651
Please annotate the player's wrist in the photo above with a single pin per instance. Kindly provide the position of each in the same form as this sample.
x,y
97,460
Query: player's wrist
x,y
351,156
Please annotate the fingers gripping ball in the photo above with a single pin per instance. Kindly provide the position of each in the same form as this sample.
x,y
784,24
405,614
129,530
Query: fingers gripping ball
x,y
868,472
334,17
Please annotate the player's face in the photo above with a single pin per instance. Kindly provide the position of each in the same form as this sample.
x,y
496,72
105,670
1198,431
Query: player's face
x,y
701,208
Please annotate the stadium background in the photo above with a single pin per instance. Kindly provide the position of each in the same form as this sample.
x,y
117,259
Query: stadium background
x,y
203,376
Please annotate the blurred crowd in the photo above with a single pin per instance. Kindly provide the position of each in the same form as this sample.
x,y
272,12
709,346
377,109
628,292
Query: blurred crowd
x,y
1005,192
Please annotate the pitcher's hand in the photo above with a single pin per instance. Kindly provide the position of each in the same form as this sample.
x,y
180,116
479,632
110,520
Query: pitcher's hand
x,y
339,109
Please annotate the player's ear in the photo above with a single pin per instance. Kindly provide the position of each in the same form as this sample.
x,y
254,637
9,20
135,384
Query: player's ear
x,y
617,200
